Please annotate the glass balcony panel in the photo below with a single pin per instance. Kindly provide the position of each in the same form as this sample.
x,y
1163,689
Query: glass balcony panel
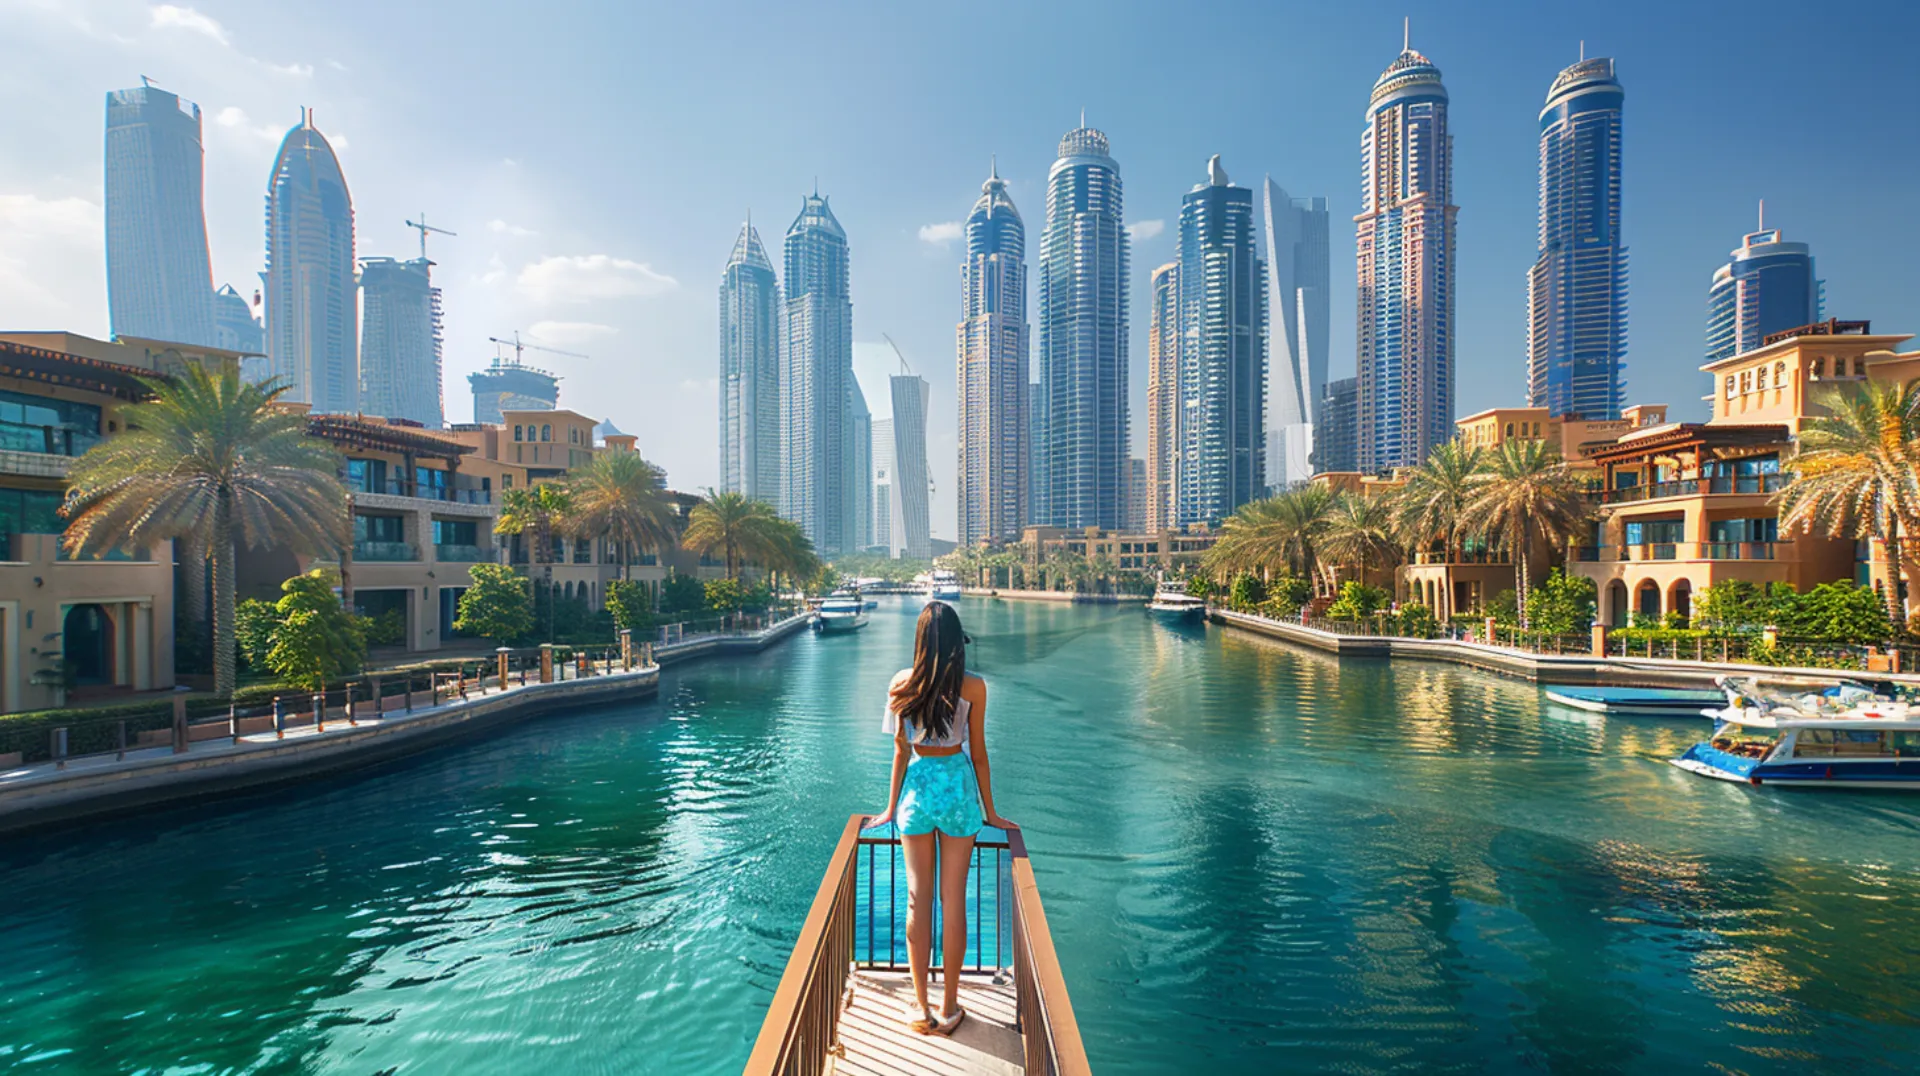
x,y
384,551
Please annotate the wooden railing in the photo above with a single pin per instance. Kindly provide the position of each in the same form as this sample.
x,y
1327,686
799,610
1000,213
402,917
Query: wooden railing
x,y
843,930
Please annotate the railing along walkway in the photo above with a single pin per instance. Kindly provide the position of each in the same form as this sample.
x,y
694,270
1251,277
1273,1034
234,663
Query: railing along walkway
x,y
839,1006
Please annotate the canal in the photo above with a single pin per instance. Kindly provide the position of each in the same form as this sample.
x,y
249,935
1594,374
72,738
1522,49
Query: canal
x,y
1253,859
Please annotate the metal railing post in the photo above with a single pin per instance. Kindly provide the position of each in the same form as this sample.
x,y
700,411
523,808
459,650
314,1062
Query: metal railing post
x,y
57,746
320,711
120,740
179,724
279,719
233,721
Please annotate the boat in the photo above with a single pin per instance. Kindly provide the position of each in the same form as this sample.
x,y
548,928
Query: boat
x,y
943,585
839,612
1646,702
1845,735
1172,603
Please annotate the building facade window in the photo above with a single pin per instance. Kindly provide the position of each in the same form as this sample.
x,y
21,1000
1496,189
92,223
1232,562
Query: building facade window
x,y
546,432
52,427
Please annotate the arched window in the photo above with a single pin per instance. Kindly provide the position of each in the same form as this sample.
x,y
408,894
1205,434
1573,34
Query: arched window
x,y
516,433
546,432
1819,368
1760,379
1729,386
1509,429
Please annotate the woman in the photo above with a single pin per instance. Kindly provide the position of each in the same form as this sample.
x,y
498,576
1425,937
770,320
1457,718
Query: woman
x,y
940,796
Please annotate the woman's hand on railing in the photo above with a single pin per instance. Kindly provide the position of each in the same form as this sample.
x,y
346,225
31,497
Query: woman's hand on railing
x,y
875,821
998,822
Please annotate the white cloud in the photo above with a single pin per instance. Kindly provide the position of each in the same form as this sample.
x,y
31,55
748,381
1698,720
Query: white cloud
x,y
580,278
569,333
503,228
174,17
296,70
237,119
338,140
338,66
1145,229
940,234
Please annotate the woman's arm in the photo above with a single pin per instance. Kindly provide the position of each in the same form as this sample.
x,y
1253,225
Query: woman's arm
x,y
976,691
900,756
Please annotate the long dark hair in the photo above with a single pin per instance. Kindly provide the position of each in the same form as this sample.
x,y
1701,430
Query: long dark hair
x,y
931,691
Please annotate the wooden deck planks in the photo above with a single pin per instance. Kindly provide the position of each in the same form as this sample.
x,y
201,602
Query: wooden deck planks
x,y
879,1043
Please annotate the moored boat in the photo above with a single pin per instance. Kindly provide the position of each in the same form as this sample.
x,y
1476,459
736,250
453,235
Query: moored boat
x,y
1653,702
943,585
841,612
1172,603
1846,736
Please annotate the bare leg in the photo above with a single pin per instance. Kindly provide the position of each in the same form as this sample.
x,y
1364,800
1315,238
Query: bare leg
x,y
956,856
919,848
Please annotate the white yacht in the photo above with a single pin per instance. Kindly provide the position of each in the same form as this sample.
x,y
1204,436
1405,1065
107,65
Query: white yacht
x,y
943,585
841,611
1172,603
1848,735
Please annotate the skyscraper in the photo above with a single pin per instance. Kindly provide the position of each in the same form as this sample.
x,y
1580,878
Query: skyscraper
x,y
1404,238
1223,352
1768,287
1083,335
159,283
883,483
1299,277
750,371
1163,398
860,448
400,341
909,520
236,329
313,323
1577,290
1336,446
816,382
992,339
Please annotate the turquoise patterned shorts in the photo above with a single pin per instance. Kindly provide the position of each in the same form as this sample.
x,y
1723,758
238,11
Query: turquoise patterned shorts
x,y
939,792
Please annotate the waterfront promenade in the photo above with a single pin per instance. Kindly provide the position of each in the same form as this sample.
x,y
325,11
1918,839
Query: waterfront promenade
x,y
210,760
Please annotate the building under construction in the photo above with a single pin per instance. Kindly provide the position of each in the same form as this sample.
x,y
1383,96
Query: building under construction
x,y
509,385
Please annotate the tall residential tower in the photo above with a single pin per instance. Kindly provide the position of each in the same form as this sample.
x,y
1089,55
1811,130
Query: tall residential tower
x,y
1768,287
313,321
1405,262
750,371
1083,337
159,284
992,341
818,461
1223,352
1577,290
400,341
909,517
1163,399
1299,277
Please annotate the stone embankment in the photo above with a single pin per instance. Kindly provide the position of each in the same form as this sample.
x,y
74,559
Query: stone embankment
x,y
87,787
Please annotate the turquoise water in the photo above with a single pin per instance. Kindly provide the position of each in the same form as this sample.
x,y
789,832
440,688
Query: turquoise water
x,y
1252,858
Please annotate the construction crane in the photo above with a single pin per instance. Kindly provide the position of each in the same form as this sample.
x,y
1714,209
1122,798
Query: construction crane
x,y
897,352
424,228
518,347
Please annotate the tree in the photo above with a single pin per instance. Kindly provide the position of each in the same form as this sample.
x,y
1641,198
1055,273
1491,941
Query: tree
x,y
253,624
1277,534
497,607
734,525
724,596
1434,502
1731,605
1525,496
631,605
316,639
682,595
1857,473
622,499
209,459
1840,612
1563,604
1357,601
540,511
1360,534
1246,592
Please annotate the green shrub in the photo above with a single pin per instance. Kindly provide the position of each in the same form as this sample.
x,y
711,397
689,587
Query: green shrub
x,y
1504,609
1247,592
631,606
724,596
317,640
682,596
497,606
1416,621
387,629
1562,605
1200,586
1357,601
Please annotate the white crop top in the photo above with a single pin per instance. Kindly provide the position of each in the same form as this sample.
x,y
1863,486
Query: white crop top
x,y
956,735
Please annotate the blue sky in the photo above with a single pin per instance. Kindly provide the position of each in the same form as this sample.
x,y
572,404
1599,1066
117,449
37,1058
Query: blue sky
x,y
597,159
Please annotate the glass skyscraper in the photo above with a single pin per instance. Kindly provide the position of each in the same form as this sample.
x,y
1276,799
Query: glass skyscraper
x,y
1299,277
1163,398
860,448
883,481
159,281
1083,337
1769,286
908,532
1336,446
1405,255
313,321
992,342
1577,290
750,313
400,341
818,462
1223,352
236,329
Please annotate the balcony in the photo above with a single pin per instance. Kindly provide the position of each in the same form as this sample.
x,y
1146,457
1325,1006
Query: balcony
x,y
1654,551
462,554
384,552
1694,487
1468,556
394,487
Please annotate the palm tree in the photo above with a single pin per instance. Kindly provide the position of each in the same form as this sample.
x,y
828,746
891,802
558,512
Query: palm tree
x,y
740,528
211,460
539,511
1526,494
1360,534
787,550
622,498
1433,504
1280,533
1855,474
